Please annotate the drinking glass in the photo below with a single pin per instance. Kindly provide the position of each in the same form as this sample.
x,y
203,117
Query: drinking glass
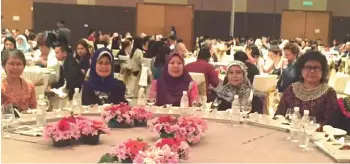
x,y
197,104
309,129
289,114
169,108
7,117
215,107
151,99
129,95
245,110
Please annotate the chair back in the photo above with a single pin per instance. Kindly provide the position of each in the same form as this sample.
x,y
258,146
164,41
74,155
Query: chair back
x,y
146,62
199,78
338,82
264,83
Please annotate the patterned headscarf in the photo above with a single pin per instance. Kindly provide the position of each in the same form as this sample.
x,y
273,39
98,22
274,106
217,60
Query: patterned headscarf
x,y
243,90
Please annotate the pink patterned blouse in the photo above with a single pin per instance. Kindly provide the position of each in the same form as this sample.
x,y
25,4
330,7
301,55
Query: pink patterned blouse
x,y
23,101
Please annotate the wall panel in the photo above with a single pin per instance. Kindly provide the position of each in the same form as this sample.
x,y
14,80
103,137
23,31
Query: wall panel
x,y
339,7
318,5
11,8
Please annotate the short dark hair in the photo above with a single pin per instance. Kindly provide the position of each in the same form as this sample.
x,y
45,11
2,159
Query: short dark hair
x,y
292,47
312,55
204,54
63,47
241,56
276,50
5,55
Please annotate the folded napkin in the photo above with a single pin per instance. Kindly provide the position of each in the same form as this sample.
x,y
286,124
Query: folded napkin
x,y
59,92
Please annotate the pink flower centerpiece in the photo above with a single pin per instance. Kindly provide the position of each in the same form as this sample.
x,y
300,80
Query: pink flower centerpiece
x,y
157,155
191,129
165,126
118,116
128,150
141,116
176,145
63,132
91,129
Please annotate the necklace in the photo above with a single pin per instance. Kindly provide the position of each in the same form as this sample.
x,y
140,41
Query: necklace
x,y
308,95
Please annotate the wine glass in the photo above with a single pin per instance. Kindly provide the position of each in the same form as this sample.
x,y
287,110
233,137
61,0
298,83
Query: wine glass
x,y
245,109
7,117
197,104
289,114
215,107
309,128
151,99
129,95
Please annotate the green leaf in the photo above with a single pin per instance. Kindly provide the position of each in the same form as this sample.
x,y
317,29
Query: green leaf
x,y
107,158
139,139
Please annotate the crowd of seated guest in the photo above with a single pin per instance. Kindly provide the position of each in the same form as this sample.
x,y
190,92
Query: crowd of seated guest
x,y
301,66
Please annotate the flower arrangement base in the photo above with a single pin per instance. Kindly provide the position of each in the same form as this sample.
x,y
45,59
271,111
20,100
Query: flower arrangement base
x,y
115,124
61,143
128,160
140,123
90,139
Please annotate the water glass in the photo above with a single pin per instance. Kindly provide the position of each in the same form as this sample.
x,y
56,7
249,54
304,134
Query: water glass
x,y
7,116
197,107
129,95
215,107
169,108
245,110
289,114
235,118
308,129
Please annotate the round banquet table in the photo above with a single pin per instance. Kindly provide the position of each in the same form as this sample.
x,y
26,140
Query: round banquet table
x,y
223,143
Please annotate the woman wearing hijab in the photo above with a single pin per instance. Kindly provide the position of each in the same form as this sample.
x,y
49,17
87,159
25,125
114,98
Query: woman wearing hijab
x,y
102,88
22,44
174,80
238,84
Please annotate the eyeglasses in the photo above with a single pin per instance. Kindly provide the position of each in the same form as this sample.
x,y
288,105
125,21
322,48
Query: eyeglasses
x,y
15,64
309,68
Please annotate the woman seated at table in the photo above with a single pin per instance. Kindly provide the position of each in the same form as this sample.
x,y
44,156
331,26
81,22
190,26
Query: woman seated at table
x,y
22,44
82,55
341,118
9,43
174,80
102,88
311,92
15,90
238,84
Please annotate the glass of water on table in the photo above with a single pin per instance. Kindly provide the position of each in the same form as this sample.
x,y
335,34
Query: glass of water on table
x,y
7,116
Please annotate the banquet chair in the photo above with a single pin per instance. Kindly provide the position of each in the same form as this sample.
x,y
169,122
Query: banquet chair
x,y
338,82
199,78
146,62
266,85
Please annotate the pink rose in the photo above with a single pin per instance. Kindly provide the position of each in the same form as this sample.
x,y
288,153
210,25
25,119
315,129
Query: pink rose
x,y
183,131
157,128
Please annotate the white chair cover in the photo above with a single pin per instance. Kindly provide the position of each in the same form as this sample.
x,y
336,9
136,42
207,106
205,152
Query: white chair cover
x,y
264,83
339,82
199,78
146,62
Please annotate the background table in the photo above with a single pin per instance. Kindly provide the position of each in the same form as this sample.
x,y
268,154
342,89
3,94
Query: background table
x,y
223,143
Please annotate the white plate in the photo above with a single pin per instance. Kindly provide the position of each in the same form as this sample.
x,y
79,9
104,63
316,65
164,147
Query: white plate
x,y
338,132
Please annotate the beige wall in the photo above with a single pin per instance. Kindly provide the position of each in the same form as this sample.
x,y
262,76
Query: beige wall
x,y
182,2
339,7
11,8
318,5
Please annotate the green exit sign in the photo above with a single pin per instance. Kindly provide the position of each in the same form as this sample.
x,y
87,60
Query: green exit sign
x,y
308,3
